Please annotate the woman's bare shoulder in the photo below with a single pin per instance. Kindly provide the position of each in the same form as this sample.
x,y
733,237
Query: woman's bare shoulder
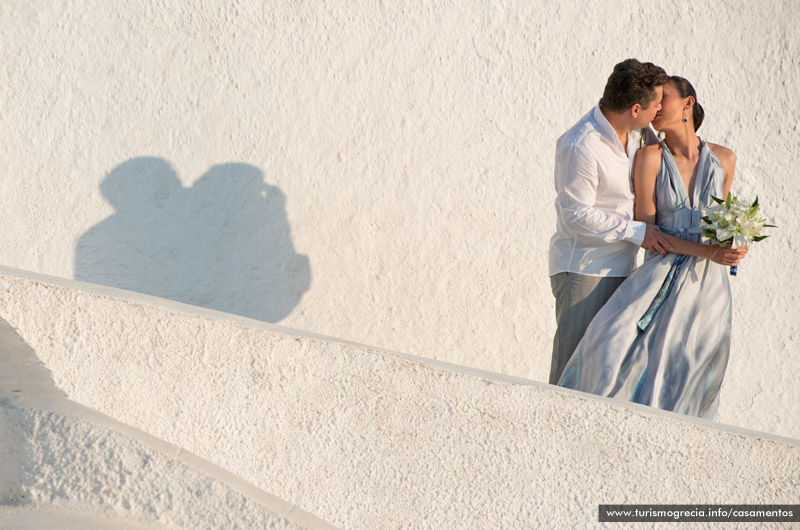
x,y
650,154
652,148
725,155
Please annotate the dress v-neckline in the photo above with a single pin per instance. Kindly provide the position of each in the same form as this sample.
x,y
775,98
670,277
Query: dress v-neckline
x,y
693,184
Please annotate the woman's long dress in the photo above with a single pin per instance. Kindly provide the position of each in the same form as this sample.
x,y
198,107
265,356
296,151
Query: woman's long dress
x,y
664,336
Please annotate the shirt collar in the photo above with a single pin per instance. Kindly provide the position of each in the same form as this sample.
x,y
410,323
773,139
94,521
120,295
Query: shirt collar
x,y
608,131
604,126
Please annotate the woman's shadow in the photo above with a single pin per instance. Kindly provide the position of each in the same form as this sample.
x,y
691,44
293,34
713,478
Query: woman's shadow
x,y
225,243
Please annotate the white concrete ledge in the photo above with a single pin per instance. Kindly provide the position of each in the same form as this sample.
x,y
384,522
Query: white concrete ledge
x,y
72,463
63,465
369,439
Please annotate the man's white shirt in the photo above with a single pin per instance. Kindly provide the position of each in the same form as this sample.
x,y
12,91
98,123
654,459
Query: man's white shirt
x,y
595,231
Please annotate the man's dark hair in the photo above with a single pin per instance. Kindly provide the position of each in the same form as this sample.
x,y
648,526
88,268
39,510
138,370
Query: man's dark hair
x,y
632,82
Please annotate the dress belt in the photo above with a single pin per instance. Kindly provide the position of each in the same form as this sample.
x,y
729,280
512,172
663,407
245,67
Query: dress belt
x,y
691,231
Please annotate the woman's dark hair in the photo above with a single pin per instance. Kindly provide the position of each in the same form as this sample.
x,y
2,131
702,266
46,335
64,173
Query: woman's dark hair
x,y
685,89
632,82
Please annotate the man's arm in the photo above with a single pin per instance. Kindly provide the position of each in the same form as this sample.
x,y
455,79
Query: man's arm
x,y
578,175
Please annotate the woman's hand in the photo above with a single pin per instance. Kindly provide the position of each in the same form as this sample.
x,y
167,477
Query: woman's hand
x,y
727,256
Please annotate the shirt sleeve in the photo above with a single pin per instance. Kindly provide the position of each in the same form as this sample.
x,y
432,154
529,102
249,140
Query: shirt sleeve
x,y
577,179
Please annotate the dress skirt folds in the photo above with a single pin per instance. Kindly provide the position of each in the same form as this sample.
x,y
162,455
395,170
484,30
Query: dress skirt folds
x,y
663,338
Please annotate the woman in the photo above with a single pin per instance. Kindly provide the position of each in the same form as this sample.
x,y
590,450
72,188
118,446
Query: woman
x,y
663,337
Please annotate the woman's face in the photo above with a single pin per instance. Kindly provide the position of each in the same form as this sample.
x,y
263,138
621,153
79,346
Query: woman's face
x,y
672,105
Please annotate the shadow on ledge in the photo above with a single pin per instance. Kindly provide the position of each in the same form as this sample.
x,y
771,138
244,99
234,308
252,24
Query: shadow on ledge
x,y
225,243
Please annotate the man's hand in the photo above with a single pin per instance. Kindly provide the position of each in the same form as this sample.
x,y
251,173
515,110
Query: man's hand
x,y
654,240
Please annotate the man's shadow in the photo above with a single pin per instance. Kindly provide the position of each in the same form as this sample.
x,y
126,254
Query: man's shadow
x,y
224,243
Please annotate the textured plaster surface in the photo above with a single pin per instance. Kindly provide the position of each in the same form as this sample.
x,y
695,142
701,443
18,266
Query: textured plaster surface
x,y
76,466
65,466
368,439
377,171
61,518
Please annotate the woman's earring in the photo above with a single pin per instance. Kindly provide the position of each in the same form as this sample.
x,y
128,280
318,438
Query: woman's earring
x,y
685,119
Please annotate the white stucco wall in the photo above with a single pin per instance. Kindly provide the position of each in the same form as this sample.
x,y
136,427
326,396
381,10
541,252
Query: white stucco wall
x,y
364,438
379,172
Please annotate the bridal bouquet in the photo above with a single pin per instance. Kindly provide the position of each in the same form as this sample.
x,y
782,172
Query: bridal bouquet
x,y
733,223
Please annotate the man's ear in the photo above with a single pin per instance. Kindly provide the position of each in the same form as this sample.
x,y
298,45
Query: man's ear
x,y
635,109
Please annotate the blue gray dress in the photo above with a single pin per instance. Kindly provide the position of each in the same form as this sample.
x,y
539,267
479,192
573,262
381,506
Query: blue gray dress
x,y
663,338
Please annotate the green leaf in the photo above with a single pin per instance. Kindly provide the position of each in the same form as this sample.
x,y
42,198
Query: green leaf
x,y
717,200
755,203
760,238
729,200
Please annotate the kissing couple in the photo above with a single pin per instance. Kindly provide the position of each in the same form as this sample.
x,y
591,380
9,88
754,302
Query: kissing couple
x,y
658,334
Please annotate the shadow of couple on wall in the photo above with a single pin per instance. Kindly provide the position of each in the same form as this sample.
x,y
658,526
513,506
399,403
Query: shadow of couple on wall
x,y
225,243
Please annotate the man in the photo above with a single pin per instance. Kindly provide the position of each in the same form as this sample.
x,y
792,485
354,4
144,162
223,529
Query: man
x,y
596,240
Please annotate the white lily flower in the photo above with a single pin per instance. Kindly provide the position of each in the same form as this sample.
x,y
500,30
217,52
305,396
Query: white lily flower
x,y
734,222
738,241
724,233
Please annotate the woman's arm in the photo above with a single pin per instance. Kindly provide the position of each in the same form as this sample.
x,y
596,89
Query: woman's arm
x,y
714,252
728,160
645,172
